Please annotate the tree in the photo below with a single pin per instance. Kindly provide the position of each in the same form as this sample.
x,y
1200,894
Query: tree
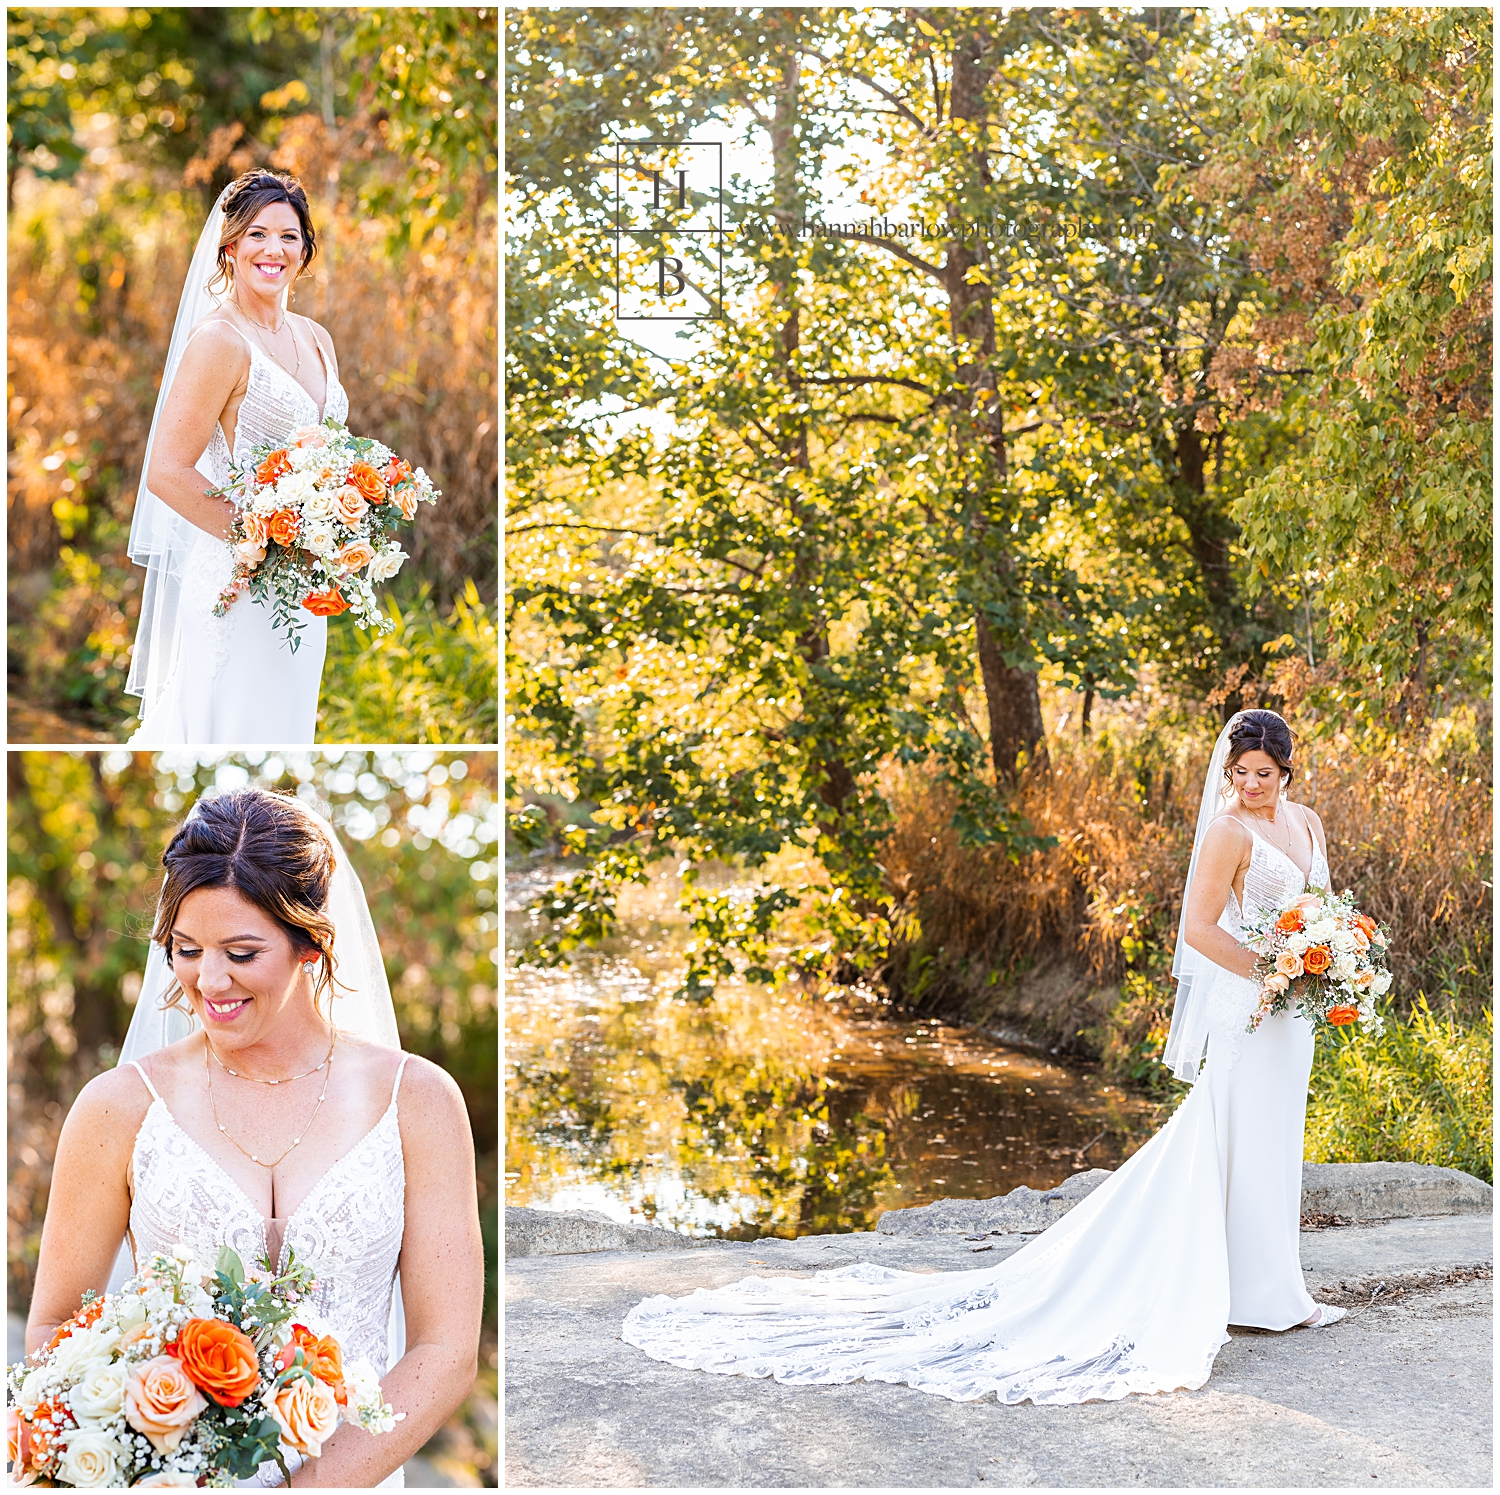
x,y
1366,146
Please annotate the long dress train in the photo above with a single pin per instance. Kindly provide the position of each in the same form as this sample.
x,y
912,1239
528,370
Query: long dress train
x,y
233,679
1130,1291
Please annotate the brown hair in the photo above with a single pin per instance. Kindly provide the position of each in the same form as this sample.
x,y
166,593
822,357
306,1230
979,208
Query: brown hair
x,y
1263,731
273,851
242,203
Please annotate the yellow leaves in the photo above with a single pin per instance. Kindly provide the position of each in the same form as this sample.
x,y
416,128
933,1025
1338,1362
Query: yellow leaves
x,y
977,275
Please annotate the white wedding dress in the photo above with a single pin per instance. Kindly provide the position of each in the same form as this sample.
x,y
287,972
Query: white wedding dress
x,y
234,679
1129,1292
349,1228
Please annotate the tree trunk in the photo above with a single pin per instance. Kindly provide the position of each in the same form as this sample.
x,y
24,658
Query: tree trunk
x,y
1011,696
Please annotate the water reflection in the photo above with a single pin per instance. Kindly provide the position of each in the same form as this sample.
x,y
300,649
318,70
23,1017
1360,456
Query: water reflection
x,y
769,1113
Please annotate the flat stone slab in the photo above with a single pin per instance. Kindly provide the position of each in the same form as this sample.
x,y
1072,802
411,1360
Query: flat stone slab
x,y
1398,1393
531,1232
1347,1192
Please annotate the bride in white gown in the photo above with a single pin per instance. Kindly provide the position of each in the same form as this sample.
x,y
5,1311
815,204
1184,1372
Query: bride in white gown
x,y
1132,1290
360,1159
241,370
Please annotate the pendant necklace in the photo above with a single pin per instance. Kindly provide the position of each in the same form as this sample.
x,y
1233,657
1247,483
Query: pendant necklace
x,y
254,1157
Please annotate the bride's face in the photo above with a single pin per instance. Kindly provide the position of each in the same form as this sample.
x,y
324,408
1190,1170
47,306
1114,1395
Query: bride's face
x,y
269,252
237,966
1257,778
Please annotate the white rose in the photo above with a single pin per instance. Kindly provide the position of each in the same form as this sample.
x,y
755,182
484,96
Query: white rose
x,y
320,539
319,505
32,1391
1342,939
130,1313
387,563
100,1395
174,1479
303,457
90,1461
1381,984
295,488
82,1353
1298,942
1321,931
1344,968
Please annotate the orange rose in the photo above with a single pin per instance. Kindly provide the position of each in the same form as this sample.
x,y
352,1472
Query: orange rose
x,y
284,526
327,604
273,467
405,499
80,1320
1365,922
355,554
369,482
219,1359
161,1401
1342,1016
349,503
1290,922
307,1412
322,1357
1317,960
396,471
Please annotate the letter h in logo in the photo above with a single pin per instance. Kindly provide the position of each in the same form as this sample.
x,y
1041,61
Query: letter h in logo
x,y
669,230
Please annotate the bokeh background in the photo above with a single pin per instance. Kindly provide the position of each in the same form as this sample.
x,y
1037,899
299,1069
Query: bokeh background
x,y
86,833
124,127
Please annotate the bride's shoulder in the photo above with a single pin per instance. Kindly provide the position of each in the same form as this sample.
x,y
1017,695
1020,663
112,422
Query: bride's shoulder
x,y
111,1106
1228,829
218,335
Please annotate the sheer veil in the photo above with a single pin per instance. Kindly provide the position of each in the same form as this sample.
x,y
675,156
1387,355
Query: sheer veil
x,y
1195,972
160,538
362,1008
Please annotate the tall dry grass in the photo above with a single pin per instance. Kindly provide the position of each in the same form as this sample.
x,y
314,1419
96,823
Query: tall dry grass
x,y
1073,945
96,268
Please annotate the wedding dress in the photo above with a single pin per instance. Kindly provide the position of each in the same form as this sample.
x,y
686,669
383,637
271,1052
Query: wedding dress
x,y
234,679
349,1227
1130,1291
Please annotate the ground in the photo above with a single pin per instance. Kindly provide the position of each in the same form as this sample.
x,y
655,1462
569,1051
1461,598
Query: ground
x,y
1397,1394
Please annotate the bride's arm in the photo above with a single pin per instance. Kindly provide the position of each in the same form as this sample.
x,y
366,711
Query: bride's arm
x,y
442,1288
213,364
1316,827
88,1208
1226,848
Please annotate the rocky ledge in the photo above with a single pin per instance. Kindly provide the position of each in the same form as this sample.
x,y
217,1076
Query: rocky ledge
x,y
1332,1194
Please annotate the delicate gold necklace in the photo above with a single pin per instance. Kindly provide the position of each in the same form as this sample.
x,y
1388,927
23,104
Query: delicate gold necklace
x,y
254,1158
332,1039
275,332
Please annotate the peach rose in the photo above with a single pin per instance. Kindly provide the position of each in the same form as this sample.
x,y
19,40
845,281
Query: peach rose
x,y
1361,939
369,482
313,436
284,526
256,527
349,503
1288,965
354,555
405,499
1276,983
1364,979
322,1356
1306,901
160,1401
307,1413
272,468
17,1439
219,1359
1317,960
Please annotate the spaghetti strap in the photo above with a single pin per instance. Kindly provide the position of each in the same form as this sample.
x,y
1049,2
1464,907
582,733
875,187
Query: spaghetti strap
x,y
397,1085
147,1078
221,322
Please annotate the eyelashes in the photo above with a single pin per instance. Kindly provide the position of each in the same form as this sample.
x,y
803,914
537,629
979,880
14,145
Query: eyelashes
x,y
187,952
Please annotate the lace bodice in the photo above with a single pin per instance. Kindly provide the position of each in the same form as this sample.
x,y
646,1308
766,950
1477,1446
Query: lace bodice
x,y
275,405
1271,880
349,1227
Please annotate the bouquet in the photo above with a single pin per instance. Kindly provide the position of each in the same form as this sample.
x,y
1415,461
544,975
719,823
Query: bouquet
x,y
1323,957
314,522
188,1375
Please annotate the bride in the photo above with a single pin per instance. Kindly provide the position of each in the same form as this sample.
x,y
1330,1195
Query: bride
x,y
241,370
1132,1290
360,1159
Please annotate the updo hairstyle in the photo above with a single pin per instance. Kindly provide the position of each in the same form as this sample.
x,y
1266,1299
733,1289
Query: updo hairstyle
x,y
249,193
1263,731
273,851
